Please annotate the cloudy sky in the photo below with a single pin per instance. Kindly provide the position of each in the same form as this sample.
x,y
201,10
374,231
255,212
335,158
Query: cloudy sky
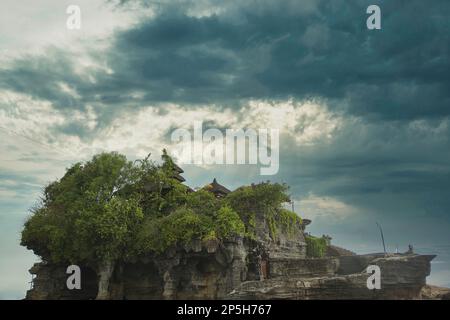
x,y
363,114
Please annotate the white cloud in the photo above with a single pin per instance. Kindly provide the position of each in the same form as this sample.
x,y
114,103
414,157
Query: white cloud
x,y
322,207
309,122
35,144
43,24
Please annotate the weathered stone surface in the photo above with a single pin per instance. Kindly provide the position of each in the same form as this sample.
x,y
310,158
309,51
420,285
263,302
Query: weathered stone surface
x,y
402,277
50,283
287,244
292,268
429,292
205,271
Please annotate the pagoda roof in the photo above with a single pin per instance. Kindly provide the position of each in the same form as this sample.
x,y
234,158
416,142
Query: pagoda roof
x,y
177,168
217,188
177,176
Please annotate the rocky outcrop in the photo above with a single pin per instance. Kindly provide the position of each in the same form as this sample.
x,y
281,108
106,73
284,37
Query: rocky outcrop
x,y
288,243
402,277
224,271
200,270
49,283
429,292
261,268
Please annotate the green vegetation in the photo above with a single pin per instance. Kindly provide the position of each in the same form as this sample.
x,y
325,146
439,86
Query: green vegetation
x,y
315,247
184,225
265,199
289,220
110,210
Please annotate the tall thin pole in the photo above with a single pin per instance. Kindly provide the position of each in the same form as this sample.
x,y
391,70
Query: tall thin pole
x,y
382,237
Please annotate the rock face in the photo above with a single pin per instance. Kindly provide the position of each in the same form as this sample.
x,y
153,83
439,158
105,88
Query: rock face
x,y
435,293
261,268
225,273
402,277
200,270
50,283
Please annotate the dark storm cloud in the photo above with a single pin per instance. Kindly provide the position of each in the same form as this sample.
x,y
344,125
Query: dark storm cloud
x,y
395,168
256,49
39,77
387,78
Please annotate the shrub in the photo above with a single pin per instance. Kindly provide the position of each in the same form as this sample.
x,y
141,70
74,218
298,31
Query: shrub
x,y
228,223
265,199
315,247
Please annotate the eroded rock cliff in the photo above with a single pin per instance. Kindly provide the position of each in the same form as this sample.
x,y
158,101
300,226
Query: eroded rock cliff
x,y
402,277
234,270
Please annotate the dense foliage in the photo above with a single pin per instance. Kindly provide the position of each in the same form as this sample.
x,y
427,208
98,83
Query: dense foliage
x,y
83,217
315,247
264,199
113,209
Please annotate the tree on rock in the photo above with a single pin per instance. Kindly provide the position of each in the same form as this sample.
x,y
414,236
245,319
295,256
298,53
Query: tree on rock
x,y
88,217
